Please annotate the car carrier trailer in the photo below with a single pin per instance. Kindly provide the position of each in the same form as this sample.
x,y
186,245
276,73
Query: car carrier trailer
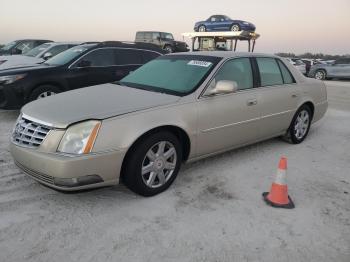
x,y
209,41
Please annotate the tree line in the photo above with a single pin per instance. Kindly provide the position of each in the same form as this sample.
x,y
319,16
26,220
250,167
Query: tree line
x,y
314,56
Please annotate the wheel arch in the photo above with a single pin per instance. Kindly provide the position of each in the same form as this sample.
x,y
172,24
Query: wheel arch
x,y
57,84
179,132
310,104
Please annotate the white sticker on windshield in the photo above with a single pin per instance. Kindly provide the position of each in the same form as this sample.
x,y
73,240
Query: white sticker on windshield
x,y
199,63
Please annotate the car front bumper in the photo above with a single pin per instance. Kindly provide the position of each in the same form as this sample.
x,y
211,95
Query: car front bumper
x,y
69,173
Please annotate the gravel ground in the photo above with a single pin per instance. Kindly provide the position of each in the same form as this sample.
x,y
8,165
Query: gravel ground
x,y
213,212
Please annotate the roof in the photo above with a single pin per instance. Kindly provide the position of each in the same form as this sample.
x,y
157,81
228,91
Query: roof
x,y
128,44
225,54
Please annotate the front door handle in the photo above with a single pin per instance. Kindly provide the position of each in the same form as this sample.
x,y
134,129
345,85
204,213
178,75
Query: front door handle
x,y
295,95
252,102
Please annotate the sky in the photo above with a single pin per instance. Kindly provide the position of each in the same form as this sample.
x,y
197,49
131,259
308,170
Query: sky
x,y
296,26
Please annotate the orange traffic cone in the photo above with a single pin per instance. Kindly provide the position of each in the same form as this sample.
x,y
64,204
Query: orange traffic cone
x,y
278,196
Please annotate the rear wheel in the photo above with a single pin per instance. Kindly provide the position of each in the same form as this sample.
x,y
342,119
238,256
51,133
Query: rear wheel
x,y
235,28
300,125
320,75
43,91
153,164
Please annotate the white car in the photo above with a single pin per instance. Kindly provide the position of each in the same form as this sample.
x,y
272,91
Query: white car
x,y
35,56
300,65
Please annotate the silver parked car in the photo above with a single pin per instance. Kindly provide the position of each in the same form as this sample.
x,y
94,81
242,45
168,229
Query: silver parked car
x,y
339,69
176,108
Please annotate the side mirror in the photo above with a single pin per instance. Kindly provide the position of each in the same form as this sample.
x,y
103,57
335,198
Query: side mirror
x,y
84,63
223,87
47,56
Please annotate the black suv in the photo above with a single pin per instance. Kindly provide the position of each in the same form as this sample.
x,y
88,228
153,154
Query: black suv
x,y
163,40
19,47
80,66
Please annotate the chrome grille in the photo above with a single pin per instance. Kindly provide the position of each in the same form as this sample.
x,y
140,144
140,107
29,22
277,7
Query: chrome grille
x,y
28,133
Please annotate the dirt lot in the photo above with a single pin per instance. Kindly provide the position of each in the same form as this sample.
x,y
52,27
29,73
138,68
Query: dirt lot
x,y
213,212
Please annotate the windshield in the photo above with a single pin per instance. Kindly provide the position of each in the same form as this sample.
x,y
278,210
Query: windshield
x,y
68,55
9,46
173,74
227,18
37,50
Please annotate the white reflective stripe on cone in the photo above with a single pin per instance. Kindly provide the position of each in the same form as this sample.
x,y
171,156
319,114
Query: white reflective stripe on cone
x,y
281,177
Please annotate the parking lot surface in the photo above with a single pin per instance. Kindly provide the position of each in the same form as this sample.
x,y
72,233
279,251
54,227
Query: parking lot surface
x,y
213,211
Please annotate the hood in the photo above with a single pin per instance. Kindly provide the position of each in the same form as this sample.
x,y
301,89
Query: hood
x,y
95,102
18,61
19,69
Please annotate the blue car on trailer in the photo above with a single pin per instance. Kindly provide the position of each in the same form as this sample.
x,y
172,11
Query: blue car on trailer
x,y
223,23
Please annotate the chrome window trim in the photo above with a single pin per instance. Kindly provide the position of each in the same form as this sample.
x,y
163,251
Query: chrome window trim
x,y
128,48
283,85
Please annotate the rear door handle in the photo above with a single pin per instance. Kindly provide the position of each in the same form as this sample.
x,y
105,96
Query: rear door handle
x,y
252,102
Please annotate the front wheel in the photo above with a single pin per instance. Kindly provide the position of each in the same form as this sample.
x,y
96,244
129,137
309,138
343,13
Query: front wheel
x,y
202,28
300,125
235,28
153,164
169,49
43,91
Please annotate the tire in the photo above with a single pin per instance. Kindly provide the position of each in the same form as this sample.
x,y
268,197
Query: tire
x,y
169,48
156,177
235,28
43,91
300,126
202,28
320,75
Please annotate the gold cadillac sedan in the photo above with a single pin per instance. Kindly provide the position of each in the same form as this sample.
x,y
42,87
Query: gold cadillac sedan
x,y
176,108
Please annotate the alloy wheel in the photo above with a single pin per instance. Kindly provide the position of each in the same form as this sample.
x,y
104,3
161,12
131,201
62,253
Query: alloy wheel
x,y
320,75
159,164
46,94
201,28
301,124
235,28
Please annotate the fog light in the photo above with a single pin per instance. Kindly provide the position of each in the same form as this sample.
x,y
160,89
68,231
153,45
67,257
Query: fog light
x,y
78,181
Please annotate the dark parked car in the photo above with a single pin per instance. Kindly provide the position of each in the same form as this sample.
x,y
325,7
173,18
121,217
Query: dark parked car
x,y
19,47
163,40
223,23
80,66
339,69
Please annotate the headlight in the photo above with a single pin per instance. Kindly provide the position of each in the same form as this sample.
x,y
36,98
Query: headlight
x,y
246,23
79,138
11,79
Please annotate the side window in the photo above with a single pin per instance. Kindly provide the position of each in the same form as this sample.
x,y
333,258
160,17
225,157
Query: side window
x,y
287,76
100,57
128,56
148,56
238,70
270,73
155,36
57,49
148,35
